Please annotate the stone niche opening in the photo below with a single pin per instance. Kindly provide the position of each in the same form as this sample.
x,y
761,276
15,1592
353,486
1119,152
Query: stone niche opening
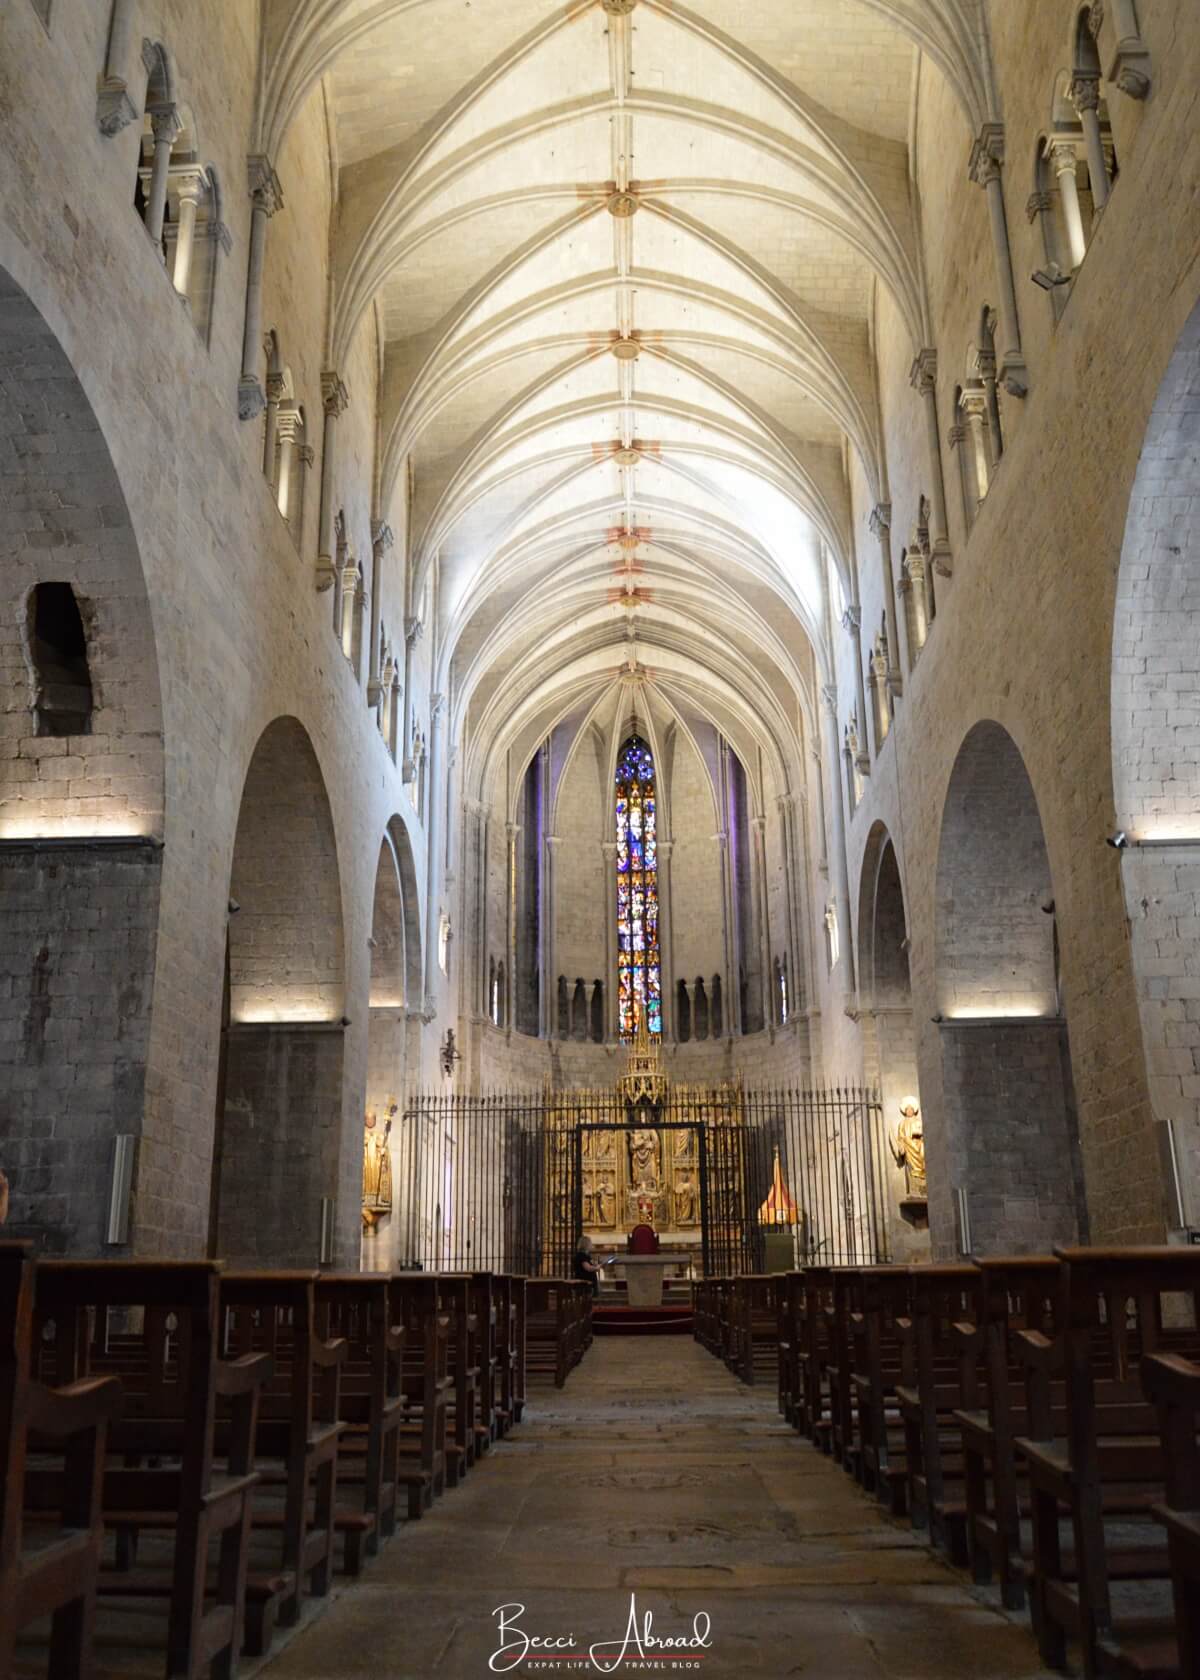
x,y
1007,1175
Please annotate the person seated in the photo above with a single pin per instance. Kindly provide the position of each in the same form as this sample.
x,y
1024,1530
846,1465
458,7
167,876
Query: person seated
x,y
586,1267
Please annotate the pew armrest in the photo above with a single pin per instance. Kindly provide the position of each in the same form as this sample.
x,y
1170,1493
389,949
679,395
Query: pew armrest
x,y
1036,1350
327,1354
1171,1380
76,1406
242,1375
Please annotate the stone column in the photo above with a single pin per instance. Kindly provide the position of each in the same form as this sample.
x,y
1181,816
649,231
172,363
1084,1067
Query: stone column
x,y
265,199
548,995
115,110
958,438
334,400
879,691
924,381
167,127
919,623
287,425
1063,161
732,994
852,624
612,1025
412,635
987,155
974,406
666,938
881,522
513,834
432,841
382,538
837,838
785,804
985,367
1129,66
190,187
758,856
1084,94
351,585
394,702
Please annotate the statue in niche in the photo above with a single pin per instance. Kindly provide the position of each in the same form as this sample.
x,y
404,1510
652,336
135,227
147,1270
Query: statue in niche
x,y
685,1144
644,1164
685,1200
607,1203
908,1147
377,1167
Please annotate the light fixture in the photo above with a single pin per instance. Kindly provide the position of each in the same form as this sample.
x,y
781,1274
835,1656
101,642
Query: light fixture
x,y
1047,907
1050,277
233,907
1117,841
449,1054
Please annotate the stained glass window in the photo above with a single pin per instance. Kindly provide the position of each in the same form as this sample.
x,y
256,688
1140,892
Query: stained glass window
x,y
639,973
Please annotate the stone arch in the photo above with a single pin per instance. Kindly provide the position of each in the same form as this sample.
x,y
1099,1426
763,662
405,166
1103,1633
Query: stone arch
x,y
886,1019
81,804
1156,759
1010,1135
281,1125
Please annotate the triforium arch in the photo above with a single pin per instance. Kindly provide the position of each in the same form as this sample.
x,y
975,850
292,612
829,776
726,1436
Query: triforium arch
x,y
280,1132
394,1030
889,1037
1005,1166
81,812
1156,767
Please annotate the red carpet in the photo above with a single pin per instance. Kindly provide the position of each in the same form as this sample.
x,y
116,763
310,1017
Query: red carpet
x,y
642,1321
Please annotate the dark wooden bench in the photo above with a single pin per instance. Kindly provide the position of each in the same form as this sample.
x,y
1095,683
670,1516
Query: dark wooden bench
x,y
157,1327
1172,1384
1106,1470
416,1305
355,1308
49,1562
874,1300
296,1441
930,1395
557,1326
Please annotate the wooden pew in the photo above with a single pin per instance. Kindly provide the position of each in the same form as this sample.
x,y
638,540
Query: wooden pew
x,y
839,1371
162,1477
416,1305
485,1305
505,1286
462,1440
48,1569
1172,1384
355,1307
943,1299
557,1326
789,1334
815,1355
875,1300
520,1323
1013,1295
296,1442
1107,1470
756,1332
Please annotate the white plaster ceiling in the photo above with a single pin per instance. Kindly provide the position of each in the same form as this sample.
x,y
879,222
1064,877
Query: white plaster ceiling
x,y
764,146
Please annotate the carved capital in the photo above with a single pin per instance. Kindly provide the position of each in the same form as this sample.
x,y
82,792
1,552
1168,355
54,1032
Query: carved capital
x,y
166,124
382,536
985,364
1014,375
250,398
852,618
412,632
923,373
335,399
881,518
1037,205
265,192
1084,91
437,704
987,154
1062,156
829,696
1096,18
115,110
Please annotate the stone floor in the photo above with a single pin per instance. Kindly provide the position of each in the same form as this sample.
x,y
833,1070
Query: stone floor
x,y
655,1476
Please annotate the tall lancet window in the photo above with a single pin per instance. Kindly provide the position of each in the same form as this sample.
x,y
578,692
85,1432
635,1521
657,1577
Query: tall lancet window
x,y
639,974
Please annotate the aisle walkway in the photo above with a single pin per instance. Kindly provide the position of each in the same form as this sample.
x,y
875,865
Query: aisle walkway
x,y
655,1473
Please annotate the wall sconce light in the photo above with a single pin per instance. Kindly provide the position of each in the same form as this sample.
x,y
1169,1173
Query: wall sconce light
x,y
1050,277
1117,841
449,1054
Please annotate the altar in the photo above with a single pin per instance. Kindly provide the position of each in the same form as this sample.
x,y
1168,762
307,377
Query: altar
x,y
643,1275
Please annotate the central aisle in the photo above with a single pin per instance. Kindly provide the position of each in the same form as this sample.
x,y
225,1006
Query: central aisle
x,y
655,1472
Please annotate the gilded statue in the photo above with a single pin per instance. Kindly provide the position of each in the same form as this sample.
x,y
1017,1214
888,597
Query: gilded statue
x,y
643,1157
908,1146
685,1200
377,1168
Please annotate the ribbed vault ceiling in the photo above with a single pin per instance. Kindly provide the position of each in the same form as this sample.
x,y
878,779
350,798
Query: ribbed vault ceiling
x,y
623,253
